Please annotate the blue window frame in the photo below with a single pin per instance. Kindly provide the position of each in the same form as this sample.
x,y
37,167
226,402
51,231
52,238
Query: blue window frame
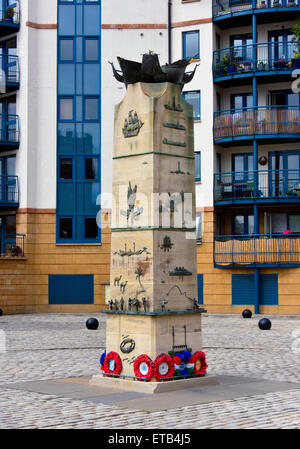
x,y
200,288
198,166
91,108
91,49
79,119
194,98
191,44
242,224
284,174
239,101
66,109
66,49
7,232
65,168
242,167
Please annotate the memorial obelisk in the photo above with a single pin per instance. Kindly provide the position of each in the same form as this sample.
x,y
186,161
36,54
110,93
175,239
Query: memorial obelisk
x,y
153,321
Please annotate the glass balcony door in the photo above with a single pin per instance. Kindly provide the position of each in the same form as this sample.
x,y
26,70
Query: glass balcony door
x,y
7,233
285,174
8,124
281,48
241,48
8,180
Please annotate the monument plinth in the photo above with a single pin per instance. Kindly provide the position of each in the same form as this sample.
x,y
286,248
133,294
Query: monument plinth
x,y
154,321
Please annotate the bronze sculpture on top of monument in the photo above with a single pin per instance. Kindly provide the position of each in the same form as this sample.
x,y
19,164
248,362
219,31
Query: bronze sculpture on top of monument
x,y
153,313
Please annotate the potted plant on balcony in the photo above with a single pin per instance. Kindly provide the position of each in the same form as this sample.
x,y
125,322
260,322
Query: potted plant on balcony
x,y
280,63
261,65
295,62
228,64
276,4
9,14
296,39
291,3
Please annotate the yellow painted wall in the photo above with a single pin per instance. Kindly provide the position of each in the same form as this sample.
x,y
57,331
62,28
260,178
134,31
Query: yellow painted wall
x,y
24,282
217,283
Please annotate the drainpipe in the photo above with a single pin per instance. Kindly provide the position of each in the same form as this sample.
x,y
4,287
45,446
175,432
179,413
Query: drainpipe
x,y
170,31
255,155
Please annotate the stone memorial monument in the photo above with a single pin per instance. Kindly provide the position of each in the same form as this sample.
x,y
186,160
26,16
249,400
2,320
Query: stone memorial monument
x,y
154,321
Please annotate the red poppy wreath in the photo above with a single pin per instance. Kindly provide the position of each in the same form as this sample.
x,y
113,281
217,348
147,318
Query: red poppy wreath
x,y
163,367
142,368
200,363
112,364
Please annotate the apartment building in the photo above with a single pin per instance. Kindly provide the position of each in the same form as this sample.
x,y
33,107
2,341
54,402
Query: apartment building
x,y
57,98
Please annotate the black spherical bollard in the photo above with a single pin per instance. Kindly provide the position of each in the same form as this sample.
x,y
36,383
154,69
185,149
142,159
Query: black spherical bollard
x,y
264,324
1,312
92,324
247,313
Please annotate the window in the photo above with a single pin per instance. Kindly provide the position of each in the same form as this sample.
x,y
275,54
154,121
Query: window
x,y
90,228
198,166
241,47
242,166
78,117
91,108
91,168
66,50
191,45
199,226
65,228
219,163
91,51
194,98
243,224
294,223
239,101
66,108
66,168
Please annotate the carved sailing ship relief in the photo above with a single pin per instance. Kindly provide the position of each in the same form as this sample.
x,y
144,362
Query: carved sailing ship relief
x,y
132,125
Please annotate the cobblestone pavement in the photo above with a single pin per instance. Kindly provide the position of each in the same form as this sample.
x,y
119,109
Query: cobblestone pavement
x,y
48,346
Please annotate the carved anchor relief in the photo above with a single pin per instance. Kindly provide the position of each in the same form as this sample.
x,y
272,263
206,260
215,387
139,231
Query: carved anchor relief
x,y
179,171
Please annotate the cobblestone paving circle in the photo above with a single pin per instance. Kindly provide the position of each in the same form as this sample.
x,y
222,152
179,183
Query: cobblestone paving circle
x,y
49,346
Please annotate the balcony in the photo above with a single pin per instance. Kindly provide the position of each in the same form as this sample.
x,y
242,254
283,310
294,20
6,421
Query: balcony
x,y
233,13
256,250
273,186
240,63
12,246
10,73
269,124
10,19
9,192
9,132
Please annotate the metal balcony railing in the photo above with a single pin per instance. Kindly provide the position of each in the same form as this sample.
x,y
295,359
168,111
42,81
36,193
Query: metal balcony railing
x,y
9,70
271,185
265,120
223,7
9,190
12,245
9,129
257,250
10,14
262,57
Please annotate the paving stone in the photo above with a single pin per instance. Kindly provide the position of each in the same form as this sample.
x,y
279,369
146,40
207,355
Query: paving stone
x,y
54,346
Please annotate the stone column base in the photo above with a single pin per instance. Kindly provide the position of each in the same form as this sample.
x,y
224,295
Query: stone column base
x,y
153,387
